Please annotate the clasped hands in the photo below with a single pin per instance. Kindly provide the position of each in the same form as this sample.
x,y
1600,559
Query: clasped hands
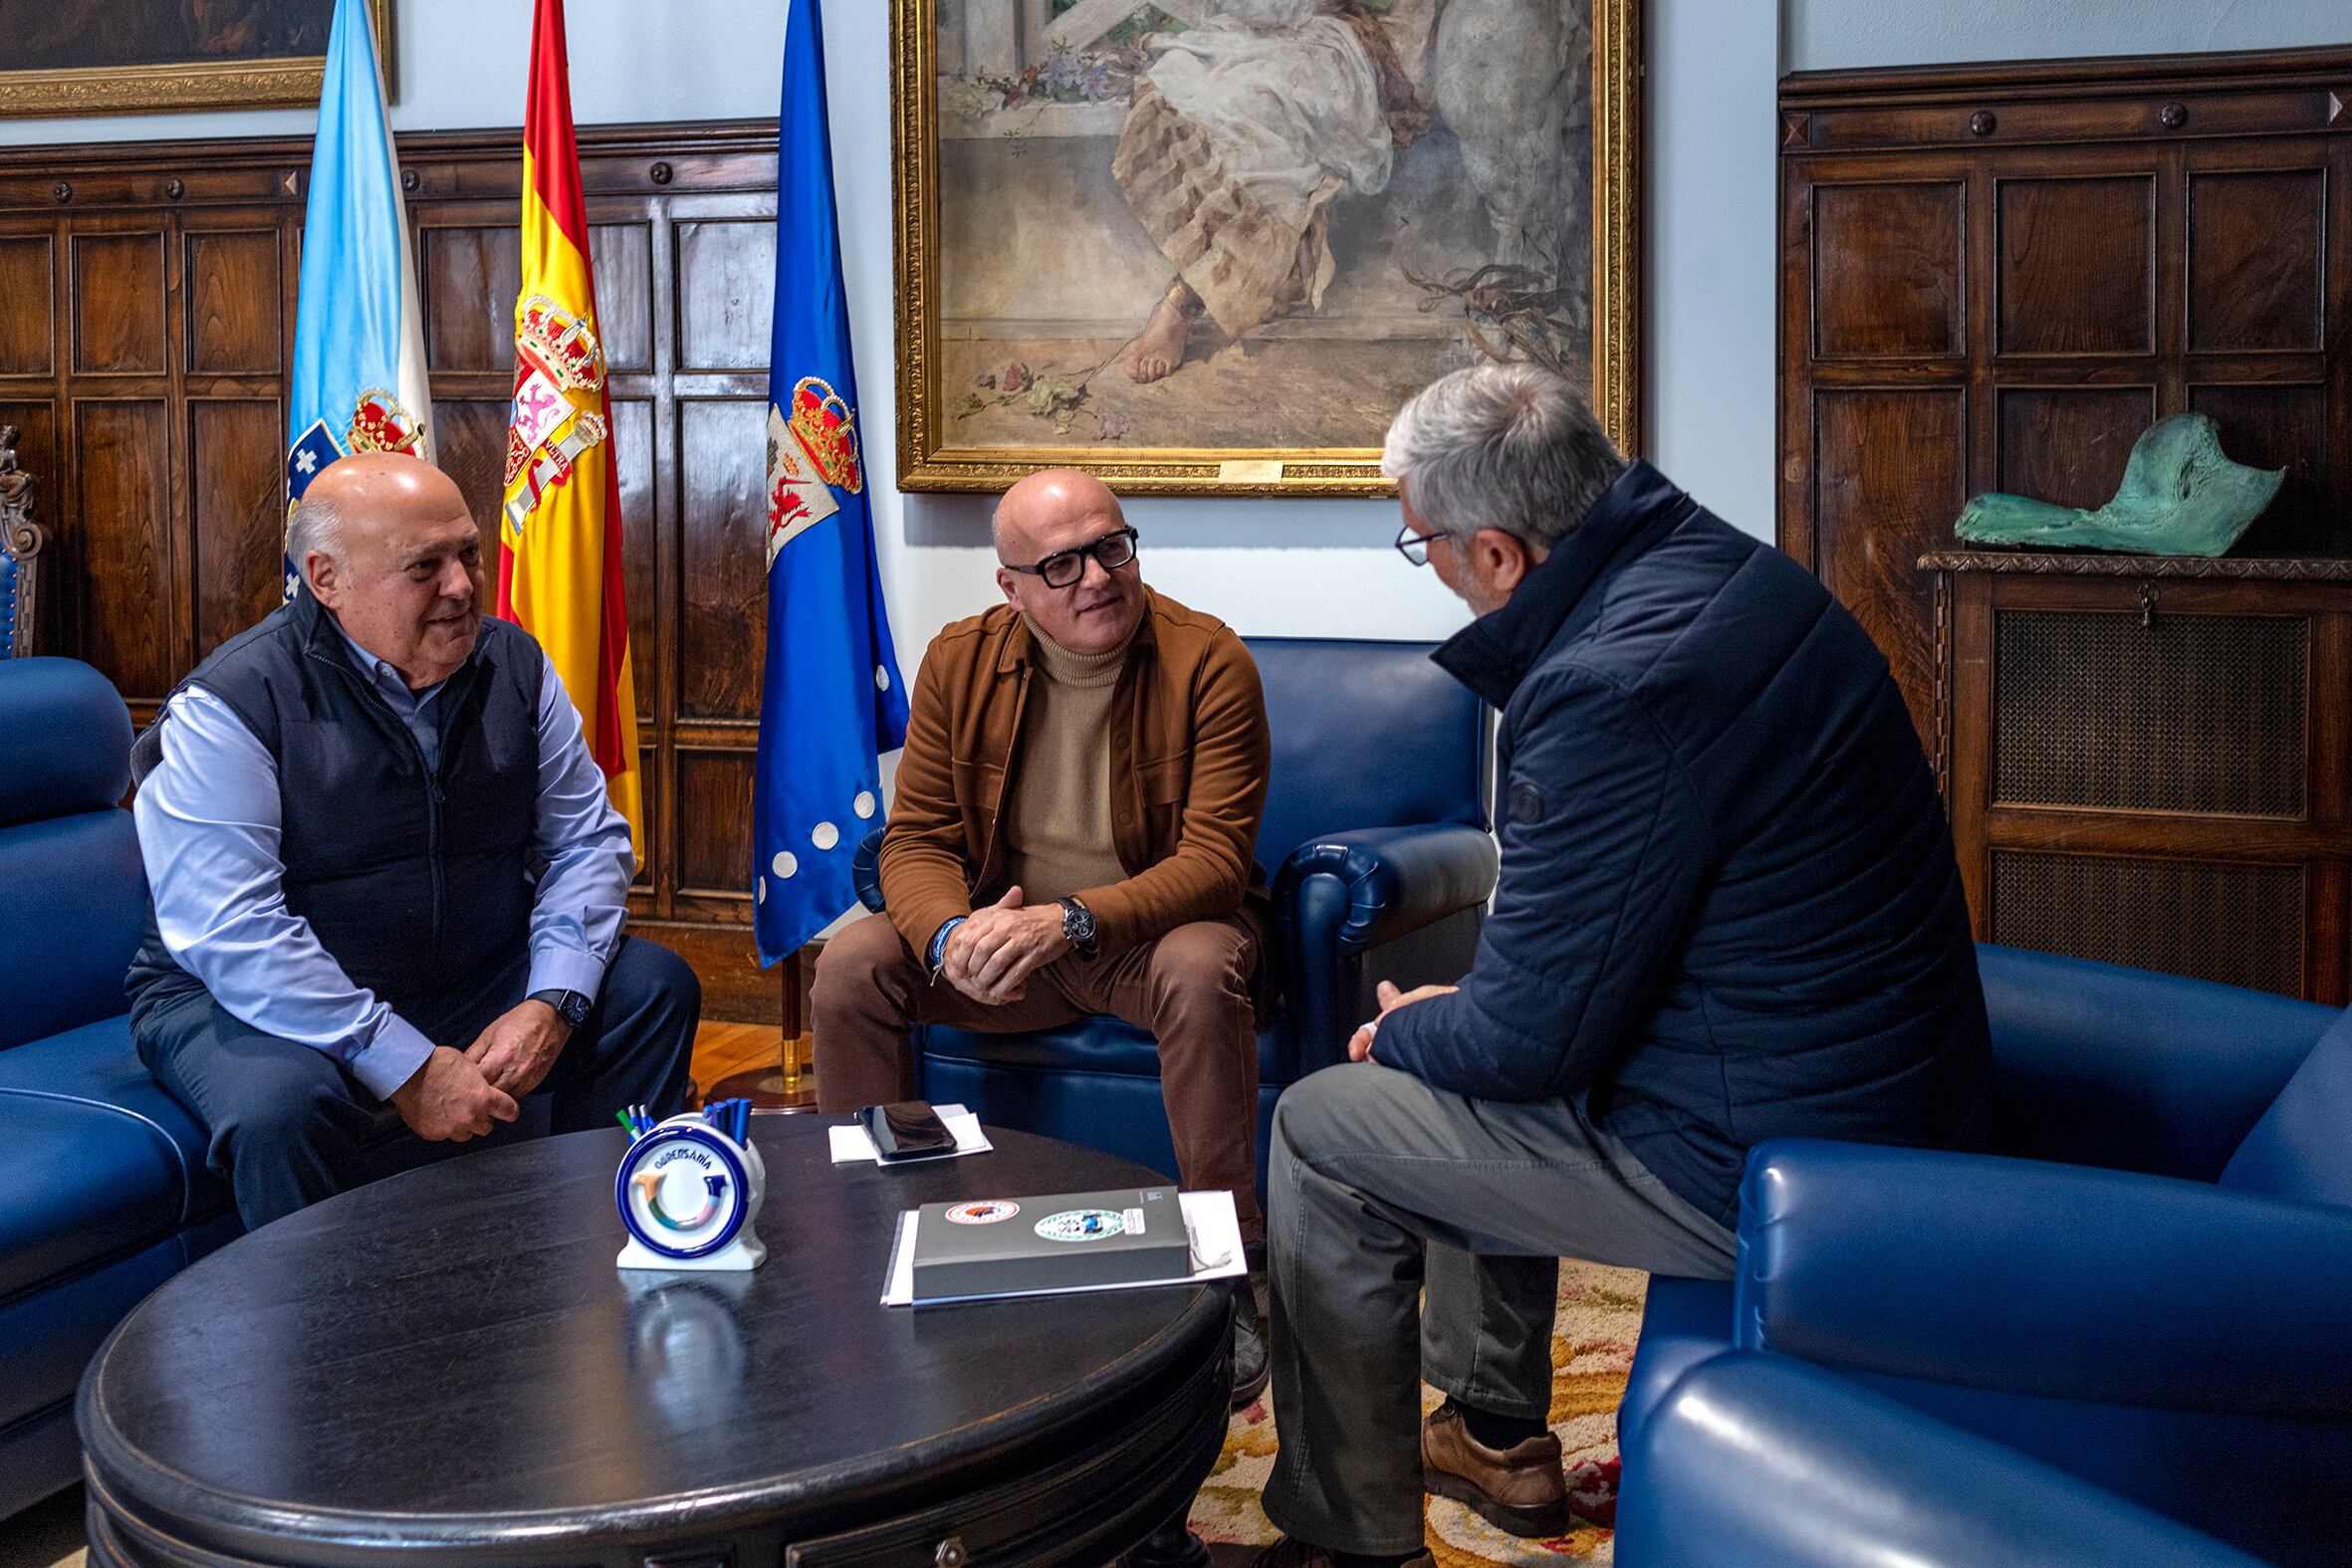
x,y
1359,1045
458,1095
990,957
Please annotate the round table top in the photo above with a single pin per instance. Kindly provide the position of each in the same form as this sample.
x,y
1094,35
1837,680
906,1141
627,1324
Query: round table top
x,y
451,1356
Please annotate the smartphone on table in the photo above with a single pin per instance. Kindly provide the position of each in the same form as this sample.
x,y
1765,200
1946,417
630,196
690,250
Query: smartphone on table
x,y
907,1130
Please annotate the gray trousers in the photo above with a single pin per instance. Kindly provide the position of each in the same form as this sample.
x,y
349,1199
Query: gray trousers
x,y
1370,1167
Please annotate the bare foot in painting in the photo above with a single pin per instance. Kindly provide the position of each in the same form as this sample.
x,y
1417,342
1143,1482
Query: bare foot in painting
x,y
1159,347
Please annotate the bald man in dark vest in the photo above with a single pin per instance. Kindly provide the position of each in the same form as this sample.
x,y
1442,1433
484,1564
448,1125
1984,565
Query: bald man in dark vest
x,y
390,890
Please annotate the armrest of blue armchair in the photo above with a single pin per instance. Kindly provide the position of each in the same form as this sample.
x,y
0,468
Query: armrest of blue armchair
x,y
2031,1277
2100,1064
866,869
1758,1462
1343,895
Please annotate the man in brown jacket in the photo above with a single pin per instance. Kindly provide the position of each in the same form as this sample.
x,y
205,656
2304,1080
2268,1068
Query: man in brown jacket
x,y
1073,834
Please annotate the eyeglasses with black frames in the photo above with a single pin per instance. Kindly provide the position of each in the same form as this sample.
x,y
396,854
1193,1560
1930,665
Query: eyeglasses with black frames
x,y
1065,568
1414,547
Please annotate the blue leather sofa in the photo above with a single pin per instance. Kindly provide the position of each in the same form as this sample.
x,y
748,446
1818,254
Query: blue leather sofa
x,y
103,1189
1375,834
2140,1302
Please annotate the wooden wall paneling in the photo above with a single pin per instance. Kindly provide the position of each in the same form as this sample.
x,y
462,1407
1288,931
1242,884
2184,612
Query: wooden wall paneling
x,y
726,269
2067,444
2280,426
2254,241
715,809
1890,468
723,616
122,527
28,324
621,254
1887,275
236,477
2077,265
234,300
469,269
119,283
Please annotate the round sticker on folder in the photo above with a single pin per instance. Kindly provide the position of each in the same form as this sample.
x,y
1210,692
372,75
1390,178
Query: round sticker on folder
x,y
986,1212
1083,1225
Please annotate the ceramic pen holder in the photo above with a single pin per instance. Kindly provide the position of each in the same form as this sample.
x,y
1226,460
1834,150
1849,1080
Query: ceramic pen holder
x,y
688,1190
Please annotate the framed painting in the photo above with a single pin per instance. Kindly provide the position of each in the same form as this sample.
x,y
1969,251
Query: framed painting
x,y
1210,246
110,56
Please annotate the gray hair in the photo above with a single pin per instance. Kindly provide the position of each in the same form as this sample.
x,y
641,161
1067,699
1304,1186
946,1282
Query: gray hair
x,y
1502,446
314,524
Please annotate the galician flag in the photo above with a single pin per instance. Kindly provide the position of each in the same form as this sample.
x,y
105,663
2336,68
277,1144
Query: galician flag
x,y
559,531
358,343
833,699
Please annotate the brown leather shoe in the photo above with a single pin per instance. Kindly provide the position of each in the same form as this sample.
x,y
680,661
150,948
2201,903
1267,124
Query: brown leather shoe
x,y
1521,1490
1289,1553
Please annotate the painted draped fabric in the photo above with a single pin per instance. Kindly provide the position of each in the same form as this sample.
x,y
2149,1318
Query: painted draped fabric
x,y
832,698
359,382
559,559
1244,126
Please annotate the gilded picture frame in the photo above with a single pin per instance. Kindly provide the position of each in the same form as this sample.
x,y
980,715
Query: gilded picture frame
x,y
95,58
993,103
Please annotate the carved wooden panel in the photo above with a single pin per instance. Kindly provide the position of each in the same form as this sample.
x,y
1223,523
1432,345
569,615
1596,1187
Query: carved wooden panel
x,y
715,794
2077,266
236,485
1887,270
119,303
236,513
723,622
1890,472
2279,427
235,317
122,529
620,255
726,284
2255,244
2068,444
471,275
27,321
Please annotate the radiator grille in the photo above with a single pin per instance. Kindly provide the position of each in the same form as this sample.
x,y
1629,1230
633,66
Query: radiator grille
x,y
2239,924
2193,714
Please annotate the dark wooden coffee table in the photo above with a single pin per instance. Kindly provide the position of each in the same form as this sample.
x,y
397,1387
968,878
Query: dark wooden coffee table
x,y
445,1368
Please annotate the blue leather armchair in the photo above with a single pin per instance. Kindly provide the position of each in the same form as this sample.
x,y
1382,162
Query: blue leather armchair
x,y
1375,833
103,1189
2144,1289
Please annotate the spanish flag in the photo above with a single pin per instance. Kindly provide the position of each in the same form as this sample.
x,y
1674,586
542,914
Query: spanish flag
x,y
559,556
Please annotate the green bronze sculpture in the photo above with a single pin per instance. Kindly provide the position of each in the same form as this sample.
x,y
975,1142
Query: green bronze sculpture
x,y
2179,497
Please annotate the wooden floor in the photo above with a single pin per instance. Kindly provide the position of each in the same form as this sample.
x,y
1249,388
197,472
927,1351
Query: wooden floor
x,y
727,1051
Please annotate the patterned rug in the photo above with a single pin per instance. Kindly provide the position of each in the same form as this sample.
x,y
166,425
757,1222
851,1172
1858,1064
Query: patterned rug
x,y
1591,1351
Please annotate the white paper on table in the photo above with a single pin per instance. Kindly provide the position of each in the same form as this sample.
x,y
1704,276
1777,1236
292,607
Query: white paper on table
x,y
850,1143
1209,1219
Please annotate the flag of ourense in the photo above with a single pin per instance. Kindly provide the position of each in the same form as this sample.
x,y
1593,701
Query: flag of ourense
x,y
559,531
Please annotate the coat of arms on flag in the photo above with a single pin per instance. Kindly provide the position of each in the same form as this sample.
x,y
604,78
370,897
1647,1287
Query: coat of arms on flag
x,y
810,456
558,372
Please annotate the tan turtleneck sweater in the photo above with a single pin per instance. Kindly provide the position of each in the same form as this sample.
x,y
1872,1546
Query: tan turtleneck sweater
x,y
1058,835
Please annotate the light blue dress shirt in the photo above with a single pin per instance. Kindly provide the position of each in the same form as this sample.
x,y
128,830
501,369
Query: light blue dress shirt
x,y
209,826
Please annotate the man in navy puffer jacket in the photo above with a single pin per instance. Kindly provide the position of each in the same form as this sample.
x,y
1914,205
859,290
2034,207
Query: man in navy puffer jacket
x,y
1729,911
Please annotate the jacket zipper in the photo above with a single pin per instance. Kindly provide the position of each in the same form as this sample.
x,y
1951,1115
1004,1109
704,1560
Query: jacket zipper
x,y
433,794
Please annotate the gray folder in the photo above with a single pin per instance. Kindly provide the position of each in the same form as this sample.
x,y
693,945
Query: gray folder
x,y
1006,1246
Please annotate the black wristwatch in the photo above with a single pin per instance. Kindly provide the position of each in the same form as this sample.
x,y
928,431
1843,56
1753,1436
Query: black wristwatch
x,y
569,1005
1077,926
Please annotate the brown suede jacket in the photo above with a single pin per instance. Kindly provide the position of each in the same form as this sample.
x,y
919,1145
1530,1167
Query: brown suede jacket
x,y
1188,761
